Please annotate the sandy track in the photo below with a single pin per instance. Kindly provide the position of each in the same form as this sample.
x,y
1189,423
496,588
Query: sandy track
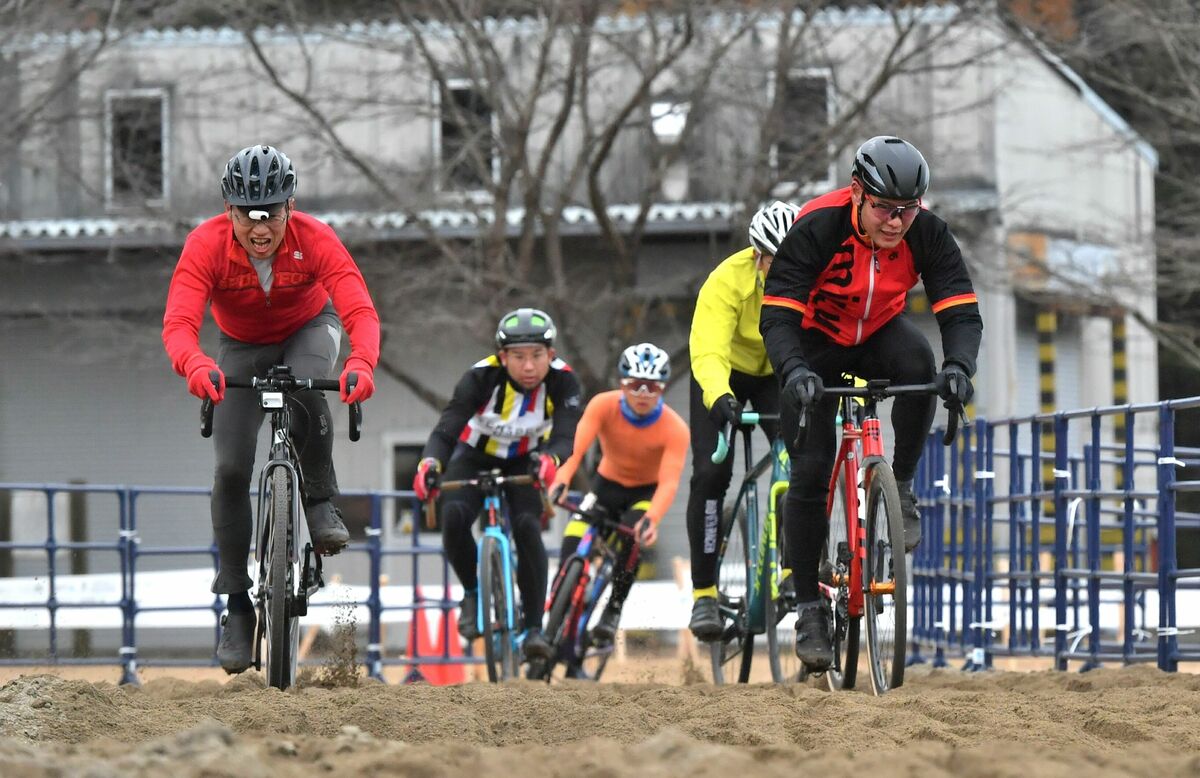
x,y
1133,721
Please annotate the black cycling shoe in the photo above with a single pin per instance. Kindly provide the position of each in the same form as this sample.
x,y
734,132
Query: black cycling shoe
x,y
329,534
813,645
605,630
535,646
235,650
911,515
468,615
706,623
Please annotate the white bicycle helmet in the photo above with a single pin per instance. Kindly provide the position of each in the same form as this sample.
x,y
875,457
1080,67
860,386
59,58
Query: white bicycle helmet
x,y
770,224
646,361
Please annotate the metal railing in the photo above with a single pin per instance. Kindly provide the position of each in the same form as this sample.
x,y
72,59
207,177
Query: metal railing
x,y
1067,553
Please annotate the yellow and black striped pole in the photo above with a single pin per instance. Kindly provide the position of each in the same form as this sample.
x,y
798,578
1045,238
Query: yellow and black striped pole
x,y
1047,326
1120,381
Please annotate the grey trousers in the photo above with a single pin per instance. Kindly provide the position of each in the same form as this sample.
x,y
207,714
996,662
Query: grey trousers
x,y
311,353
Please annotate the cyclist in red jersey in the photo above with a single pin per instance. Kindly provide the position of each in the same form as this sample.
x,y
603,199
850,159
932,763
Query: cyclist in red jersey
x,y
281,286
834,303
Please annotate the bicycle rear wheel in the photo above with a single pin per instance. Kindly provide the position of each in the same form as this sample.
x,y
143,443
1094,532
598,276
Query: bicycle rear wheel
x,y
558,624
885,582
835,575
282,629
733,574
494,601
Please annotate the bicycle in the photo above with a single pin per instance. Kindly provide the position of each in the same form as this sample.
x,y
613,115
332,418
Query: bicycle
x,y
750,568
860,573
497,602
286,580
580,590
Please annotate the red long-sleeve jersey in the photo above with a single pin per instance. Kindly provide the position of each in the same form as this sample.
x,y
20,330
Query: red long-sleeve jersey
x,y
311,267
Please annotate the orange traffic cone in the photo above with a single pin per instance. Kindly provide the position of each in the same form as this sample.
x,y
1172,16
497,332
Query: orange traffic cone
x,y
449,646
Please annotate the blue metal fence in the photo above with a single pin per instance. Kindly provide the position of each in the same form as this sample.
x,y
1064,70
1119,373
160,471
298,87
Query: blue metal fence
x,y
1079,565
1082,568
130,549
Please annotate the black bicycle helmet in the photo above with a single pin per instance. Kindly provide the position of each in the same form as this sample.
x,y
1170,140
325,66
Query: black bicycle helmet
x,y
525,326
258,175
892,168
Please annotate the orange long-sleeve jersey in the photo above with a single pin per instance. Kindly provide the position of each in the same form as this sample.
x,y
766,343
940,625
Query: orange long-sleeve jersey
x,y
632,456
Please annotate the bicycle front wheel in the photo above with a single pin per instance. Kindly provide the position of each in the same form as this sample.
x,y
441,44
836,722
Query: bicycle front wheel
x,y
835,576
885,582
494,601
735,647
558,622
781,614
593,655
282,628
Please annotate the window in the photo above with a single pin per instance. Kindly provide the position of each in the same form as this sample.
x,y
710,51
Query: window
x,y
136,148
465,138
801,158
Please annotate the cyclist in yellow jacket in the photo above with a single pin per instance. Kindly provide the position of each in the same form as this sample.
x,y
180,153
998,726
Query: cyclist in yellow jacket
x,y
729,369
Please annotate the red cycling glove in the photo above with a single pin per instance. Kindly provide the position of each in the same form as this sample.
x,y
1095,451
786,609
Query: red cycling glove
x,y
365,386
200,383
545,470
429,475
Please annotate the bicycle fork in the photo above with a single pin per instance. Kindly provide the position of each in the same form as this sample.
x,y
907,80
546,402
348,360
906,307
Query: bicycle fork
x,y
492,530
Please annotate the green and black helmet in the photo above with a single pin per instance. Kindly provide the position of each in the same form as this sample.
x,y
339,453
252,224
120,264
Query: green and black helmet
x,y
525,326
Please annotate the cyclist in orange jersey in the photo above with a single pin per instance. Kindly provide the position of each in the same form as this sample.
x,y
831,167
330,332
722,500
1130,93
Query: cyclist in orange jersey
x,y
643,446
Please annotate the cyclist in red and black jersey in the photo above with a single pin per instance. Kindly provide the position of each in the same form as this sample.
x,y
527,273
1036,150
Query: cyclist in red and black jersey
x,y
281,287
834,303
517,411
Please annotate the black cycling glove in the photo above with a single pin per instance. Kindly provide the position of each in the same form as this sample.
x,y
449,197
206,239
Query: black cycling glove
x,y
802,388
726,410
954,385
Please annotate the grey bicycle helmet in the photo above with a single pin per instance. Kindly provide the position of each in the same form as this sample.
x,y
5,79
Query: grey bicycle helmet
x,y
890,167
258,175
525,326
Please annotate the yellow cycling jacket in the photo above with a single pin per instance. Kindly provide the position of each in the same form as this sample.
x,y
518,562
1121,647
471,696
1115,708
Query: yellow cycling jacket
x,y
725,326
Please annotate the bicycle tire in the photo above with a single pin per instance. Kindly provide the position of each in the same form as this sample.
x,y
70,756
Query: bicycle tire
x,y
734,568
785,666
846,633
886,613
497,632
592,657
282,629
557,621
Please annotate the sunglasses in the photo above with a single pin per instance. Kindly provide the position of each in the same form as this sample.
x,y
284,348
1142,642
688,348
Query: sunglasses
x,y
642,386
252,216
887,212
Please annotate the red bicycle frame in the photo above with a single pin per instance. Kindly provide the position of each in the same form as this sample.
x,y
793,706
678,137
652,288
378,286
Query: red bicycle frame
x,y
868,440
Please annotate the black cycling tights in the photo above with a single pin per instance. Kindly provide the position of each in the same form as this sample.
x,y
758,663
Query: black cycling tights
x,y
459,509
899,352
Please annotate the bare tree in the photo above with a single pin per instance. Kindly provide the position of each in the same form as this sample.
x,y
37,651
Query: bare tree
x,y
552,107
1143,56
